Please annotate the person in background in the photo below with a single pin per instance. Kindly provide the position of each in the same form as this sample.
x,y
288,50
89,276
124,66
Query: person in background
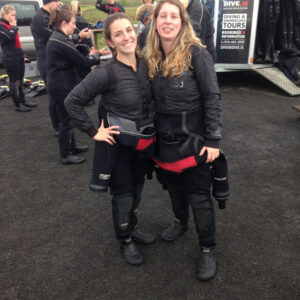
x,y
110,7
201,21
41,31
188,124
144,14
13,57
86,46
124,87
62,59
81,23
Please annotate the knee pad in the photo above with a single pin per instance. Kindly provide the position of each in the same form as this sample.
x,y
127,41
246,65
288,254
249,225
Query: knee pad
x,y
123,205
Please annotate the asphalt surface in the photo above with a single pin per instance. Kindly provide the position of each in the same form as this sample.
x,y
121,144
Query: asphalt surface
x,y
57,239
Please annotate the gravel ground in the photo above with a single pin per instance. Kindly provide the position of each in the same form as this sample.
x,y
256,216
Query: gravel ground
x,y
57,240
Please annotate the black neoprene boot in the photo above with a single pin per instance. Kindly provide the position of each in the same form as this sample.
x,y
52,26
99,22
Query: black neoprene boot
x,y
143,237
29,104
131,253
207,264
79,149
22,108
71,159
173,232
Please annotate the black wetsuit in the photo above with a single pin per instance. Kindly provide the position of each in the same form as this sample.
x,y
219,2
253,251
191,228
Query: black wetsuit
x,y
63,58
13,60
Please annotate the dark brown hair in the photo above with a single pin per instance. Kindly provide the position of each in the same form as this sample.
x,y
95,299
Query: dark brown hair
x,y
107,23
64,14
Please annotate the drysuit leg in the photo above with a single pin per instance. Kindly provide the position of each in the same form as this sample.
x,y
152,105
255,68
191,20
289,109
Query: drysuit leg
x,y
177,194
15,80
122,211
14,92
136,201
66,128
297,24
198,196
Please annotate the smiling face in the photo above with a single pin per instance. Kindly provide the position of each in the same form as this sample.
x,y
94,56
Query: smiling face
x,y
122,37
168,22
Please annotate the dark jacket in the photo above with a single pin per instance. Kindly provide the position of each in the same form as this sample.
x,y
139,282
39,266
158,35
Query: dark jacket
x,y
201,21
196,94
10,42
41,31
124,92
81,23
63,58
109,9
142,37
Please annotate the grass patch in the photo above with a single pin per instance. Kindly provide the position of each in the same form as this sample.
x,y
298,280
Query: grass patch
x,y
93,15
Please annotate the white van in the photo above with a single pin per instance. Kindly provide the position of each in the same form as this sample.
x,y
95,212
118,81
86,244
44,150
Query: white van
x,y
25,10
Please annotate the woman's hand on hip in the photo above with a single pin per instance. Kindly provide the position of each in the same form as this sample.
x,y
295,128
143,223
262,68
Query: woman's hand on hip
x,y
106,134
212,153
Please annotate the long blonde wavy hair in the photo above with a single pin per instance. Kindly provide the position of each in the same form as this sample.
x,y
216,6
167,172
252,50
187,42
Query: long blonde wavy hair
x,y
179,58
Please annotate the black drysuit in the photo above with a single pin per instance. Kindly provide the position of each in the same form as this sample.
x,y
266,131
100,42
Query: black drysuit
x,y
63,58
13,60
128,95
41,32
188,116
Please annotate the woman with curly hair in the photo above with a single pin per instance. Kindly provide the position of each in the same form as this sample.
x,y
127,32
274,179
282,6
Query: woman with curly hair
x,y
188,124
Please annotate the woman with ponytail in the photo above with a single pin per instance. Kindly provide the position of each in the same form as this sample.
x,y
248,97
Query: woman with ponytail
x,y
62,61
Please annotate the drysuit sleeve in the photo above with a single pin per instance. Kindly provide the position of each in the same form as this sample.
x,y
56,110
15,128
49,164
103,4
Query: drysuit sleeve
x,y
210,95
8,36
94,84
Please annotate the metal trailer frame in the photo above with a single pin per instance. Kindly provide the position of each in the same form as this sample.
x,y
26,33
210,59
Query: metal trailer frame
x,y
268,71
